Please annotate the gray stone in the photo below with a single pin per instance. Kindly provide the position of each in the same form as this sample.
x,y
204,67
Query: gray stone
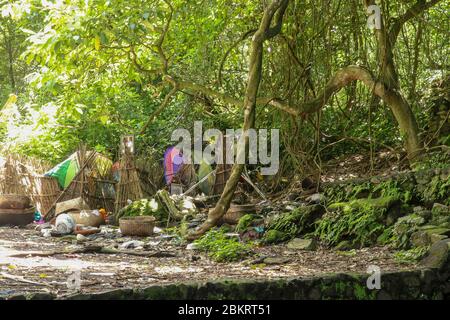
x,y
276,260
438,231
302,244
437,237
440,214
437,255
422,212
420,239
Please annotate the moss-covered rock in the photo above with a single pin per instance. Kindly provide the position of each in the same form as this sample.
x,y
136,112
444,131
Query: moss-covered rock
x,y
302,244
275,236
248,221
290,224
437,255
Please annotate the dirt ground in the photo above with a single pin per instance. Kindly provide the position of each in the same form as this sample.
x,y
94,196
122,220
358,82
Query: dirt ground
x,y
24,272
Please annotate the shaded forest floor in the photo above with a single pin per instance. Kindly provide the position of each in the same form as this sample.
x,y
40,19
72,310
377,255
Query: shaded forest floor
x,y
102,272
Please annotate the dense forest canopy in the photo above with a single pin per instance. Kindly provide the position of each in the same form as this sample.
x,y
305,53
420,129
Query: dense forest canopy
x,y
90,71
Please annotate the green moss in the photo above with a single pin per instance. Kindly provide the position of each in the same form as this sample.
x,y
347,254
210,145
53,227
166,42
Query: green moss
x,y
291,224
362,294
275,236
245,222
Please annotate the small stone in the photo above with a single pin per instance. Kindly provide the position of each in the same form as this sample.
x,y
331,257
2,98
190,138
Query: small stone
x,y
276,260
302,244
81,238
344,246
422,212
316,198
192,246
132,244
293,196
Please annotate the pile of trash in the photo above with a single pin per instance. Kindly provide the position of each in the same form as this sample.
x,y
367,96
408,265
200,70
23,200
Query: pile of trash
x,y
163,207
69,223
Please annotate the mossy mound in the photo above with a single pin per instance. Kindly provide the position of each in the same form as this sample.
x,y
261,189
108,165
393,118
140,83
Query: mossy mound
x,y
358,222
290,224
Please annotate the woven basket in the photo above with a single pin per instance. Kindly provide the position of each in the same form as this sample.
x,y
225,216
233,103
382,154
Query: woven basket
x,y
137,226
17,217
14,201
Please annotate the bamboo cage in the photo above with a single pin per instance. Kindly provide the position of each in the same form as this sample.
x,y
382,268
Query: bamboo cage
x,y
129,185
24,176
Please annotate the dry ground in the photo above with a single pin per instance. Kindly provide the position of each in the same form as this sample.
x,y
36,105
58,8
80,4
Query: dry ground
x,y
102,272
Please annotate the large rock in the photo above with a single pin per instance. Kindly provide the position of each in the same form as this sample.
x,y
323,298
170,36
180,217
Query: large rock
x,y
437,255
438,231
437,237
420,239
440,214
302,244
423,212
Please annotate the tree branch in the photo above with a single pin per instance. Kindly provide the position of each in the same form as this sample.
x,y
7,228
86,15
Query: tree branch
x,y
418,8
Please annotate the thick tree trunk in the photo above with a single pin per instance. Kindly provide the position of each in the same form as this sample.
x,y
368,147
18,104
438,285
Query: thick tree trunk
x,y
263,33
387,38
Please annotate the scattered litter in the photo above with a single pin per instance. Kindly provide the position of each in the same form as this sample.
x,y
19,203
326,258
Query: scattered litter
x,y
192,246
81,238
65,224
133,244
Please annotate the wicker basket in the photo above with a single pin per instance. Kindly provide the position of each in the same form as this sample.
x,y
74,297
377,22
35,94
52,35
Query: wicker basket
x,y
16,217
14,201
236,212
137,226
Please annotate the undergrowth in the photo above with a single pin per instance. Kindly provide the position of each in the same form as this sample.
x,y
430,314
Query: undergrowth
x,y
410,256
222,248
357,221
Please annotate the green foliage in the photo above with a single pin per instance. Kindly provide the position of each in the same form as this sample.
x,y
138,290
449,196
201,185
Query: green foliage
x,y
222,248
145,207
359,221
433,160
411,256
245,222
391,188
437,190
287,225
398,235
388,188
98,66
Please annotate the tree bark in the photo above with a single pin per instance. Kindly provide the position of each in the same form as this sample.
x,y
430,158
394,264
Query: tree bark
x,y
387,38
264,32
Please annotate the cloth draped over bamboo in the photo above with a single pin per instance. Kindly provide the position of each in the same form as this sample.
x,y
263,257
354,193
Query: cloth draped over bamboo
x,y
93,182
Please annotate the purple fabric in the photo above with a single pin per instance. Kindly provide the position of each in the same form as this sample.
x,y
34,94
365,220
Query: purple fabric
x,y
173,161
